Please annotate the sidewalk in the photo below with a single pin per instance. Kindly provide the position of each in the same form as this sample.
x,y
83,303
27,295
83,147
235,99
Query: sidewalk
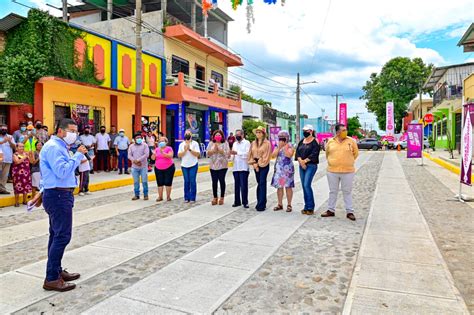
x,y
400,268
104,180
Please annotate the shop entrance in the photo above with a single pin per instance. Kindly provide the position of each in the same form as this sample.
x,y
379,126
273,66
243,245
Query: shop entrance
x,y
83,115
170,127
194,122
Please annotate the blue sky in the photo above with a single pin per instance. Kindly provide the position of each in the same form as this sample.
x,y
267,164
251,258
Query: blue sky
x,y
335,42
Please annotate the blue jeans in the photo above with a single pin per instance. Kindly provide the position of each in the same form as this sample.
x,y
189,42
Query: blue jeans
x,y
136,174
261,177
307,176
58,205
123,160
190,189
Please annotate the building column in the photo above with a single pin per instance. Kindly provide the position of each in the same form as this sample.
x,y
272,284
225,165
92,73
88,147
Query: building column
x,y
38,102
163,119
114,110
206,121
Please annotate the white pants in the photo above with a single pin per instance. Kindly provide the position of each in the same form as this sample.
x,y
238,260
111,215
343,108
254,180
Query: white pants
x,y
344,180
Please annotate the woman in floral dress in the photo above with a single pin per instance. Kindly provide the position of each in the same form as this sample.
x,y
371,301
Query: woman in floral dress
x,y
21,173
284,176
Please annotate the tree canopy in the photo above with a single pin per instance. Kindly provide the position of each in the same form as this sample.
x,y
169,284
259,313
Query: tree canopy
x,y
249,125
353,126
246,97
399,81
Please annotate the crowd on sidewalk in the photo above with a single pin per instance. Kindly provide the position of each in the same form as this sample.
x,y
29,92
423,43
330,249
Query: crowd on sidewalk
x,y
67,155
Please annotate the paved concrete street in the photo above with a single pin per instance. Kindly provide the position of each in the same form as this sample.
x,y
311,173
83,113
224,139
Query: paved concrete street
x,y
409,252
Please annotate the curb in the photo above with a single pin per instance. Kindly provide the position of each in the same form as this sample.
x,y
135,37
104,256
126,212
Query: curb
x,y
447,165
10,200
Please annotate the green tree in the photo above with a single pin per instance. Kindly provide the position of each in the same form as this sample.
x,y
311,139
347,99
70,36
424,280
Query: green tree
x,y
249,98
249,125
399,81
353,125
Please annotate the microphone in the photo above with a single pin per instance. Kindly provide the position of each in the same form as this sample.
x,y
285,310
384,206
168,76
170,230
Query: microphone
x,y
87,156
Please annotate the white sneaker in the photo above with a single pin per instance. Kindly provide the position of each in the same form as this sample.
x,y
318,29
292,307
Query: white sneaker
x,y
81,194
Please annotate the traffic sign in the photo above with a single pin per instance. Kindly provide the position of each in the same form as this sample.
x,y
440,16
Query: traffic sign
x,y
428,118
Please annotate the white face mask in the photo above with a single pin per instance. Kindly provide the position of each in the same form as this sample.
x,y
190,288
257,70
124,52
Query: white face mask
x,y
70,137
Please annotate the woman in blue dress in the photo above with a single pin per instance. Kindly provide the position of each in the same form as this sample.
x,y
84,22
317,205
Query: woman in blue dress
x,y
284,176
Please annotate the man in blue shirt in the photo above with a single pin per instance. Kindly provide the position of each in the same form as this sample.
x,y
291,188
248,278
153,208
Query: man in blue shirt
x,y
57,184
121,144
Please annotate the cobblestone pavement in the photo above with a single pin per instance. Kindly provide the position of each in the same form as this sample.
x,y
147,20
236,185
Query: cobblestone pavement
x,y
310,273
450,222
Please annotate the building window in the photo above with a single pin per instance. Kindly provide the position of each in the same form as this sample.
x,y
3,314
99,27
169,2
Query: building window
x,y
218,78
179,65
444,127
83,115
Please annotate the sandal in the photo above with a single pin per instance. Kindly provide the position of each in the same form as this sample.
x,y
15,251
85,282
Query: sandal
x,y
278,208
221,201
17,204
159,199
168,199
289,208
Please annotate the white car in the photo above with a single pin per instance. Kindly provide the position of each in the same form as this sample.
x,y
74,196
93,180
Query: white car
x,y
403,144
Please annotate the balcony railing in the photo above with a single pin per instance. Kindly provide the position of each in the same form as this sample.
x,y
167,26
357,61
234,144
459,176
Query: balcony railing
x,y
203,86
447,92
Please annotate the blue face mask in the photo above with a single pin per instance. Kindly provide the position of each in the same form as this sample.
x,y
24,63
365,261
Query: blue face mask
x,y
121,134
139,141
22,128
162,144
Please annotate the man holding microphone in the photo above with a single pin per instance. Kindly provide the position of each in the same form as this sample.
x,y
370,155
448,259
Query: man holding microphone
x,y
57,185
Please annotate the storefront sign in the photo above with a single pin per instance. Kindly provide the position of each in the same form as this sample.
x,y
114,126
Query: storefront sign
x,y
466,149
274,136
343,114
414,141
390,124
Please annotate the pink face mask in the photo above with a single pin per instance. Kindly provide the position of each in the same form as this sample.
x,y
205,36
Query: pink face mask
x,y
218,138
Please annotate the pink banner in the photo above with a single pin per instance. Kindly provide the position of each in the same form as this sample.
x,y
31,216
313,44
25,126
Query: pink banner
x,y
343,114
323,135
389,124
414,141
274,136
466,149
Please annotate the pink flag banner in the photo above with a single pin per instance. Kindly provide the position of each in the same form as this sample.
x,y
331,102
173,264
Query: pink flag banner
x,y
414,141
466,149
343,114
389,124
274,136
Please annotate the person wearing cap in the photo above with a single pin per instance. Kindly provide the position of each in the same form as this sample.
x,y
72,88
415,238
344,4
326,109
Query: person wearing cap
x,y
138,154
121,144
307,155
341,153
259,157
189,152
218,153
88,140
284,175
30,139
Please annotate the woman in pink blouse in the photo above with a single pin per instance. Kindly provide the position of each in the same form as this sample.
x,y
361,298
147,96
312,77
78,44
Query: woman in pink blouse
x,y
164,168
218,154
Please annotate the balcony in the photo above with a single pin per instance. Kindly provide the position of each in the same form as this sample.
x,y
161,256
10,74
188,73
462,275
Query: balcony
x,y
181,87
447,92
195,40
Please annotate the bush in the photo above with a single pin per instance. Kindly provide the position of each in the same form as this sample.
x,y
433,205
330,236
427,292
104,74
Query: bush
x,y
249,125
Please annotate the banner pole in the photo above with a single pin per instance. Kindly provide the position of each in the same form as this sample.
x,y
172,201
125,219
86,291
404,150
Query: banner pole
x,y
460,198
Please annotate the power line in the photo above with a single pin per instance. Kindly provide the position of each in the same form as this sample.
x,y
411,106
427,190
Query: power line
x,y
320,35
310,98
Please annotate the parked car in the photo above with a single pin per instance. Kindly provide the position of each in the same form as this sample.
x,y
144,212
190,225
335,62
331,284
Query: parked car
x,y
369,144
403,144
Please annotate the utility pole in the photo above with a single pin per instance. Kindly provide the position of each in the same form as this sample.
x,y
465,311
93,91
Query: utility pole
x,y
163,10
137,124
110,8
298,127
337,105
193,15
65,11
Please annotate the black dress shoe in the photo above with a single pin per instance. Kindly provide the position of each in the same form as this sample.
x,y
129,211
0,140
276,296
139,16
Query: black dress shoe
x,y
246,206
236,205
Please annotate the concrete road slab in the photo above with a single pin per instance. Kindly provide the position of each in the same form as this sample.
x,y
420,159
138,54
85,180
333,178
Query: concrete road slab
x,y
88,261
376,302
16,289
231,254
188,286
405,277
118,305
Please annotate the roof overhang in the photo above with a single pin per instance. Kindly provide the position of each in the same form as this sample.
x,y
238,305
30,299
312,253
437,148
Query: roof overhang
x,y
10,21
438,72
467,40
195,40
